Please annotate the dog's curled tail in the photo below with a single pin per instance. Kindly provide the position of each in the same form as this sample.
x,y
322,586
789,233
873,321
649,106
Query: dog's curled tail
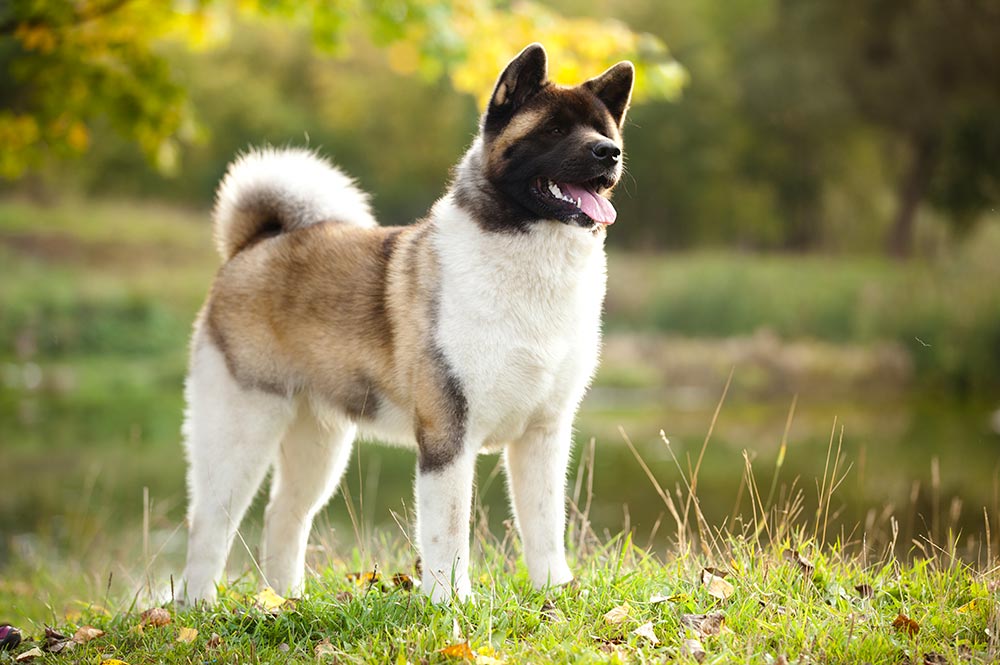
x,y
267,191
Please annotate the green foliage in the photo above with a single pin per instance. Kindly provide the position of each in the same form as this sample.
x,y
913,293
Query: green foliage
x,y
76,65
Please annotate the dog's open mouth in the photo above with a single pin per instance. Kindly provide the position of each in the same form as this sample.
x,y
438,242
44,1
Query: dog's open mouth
x,y
570,199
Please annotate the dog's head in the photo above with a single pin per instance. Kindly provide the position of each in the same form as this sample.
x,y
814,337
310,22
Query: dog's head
x,y
555,151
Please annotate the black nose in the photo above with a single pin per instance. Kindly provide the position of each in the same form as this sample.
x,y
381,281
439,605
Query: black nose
x,y
606,152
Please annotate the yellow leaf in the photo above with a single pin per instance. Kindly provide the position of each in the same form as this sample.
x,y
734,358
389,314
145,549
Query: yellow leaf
x,y
968,607
187,635
113,661
268,600
617,615
460,650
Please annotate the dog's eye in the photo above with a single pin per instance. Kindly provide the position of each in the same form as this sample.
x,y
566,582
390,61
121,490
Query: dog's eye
x,y
555,130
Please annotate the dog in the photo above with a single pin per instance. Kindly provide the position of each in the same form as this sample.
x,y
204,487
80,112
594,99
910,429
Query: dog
x,y
476,329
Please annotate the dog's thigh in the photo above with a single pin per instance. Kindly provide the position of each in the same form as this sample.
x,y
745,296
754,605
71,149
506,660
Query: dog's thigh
x,y
536,473
308,468
231,435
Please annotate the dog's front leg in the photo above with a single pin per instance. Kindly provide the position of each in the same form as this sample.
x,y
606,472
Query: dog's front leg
x,y
444,503
536,472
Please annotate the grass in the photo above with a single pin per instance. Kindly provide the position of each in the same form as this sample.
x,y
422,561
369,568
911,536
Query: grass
x,y
791,590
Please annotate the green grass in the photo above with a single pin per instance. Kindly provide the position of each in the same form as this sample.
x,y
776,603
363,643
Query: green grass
x,y
775,609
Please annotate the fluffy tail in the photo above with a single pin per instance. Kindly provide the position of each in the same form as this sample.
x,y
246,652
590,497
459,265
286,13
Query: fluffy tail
x,y
268,191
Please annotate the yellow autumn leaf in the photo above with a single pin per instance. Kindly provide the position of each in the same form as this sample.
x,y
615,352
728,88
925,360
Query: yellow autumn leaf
x,y
113,661
86,633
187,635
460,650
268,600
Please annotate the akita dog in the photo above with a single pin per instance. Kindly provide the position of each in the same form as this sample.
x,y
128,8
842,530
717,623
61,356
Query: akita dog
x,y
476,329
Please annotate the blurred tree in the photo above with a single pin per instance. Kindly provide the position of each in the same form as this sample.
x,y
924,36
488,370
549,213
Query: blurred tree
x,y
74,63
927,73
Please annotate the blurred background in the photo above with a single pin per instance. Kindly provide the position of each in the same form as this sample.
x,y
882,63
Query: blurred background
x,y
810,208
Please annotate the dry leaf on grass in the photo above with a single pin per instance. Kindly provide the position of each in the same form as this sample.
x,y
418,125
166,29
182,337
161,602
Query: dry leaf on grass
x,y
57,642
646,630
86,633
704,625
804,564
324,649
716,586
617,615
404,582
268,600
187,635
214,642
694,649
156,617
113,661
865,590
906,624
29,655
657,598
460,650
934,658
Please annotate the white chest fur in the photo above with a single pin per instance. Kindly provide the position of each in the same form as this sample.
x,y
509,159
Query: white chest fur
x,y
519,319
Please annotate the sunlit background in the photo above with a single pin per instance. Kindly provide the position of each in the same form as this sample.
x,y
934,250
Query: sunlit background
x,y
809,217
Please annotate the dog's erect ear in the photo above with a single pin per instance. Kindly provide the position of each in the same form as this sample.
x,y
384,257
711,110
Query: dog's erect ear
x,y
520,80
614,88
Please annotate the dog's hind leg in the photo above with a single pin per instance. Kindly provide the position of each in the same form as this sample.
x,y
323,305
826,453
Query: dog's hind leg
x,y
308,469
536,472
231,434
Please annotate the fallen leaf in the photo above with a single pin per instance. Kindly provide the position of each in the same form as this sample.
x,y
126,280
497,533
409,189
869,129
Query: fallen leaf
x,y
86,633
113,661
366,580
460,650
486,656
934,658
968,607
156,617
694,649
717,587
214,642
704,624
657,598
57,642
905,623
284,648
404,582
781,660
617,615
344,597
324,649
29,655
865,590
187,635
804,564
551,612
646,630
268,600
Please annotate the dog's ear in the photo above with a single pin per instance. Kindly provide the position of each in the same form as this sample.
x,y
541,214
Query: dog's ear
x,y
614,88
520,80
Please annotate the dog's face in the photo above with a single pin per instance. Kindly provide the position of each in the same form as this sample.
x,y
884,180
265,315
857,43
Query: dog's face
x,y
556,152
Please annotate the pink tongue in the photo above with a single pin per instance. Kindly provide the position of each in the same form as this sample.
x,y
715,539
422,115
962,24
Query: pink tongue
x,y
594,206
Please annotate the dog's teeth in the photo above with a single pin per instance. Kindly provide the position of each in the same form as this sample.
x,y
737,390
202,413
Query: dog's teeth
x,y
554,188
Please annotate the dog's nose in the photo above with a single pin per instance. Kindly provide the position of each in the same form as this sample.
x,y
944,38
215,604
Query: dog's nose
x,y
606,152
